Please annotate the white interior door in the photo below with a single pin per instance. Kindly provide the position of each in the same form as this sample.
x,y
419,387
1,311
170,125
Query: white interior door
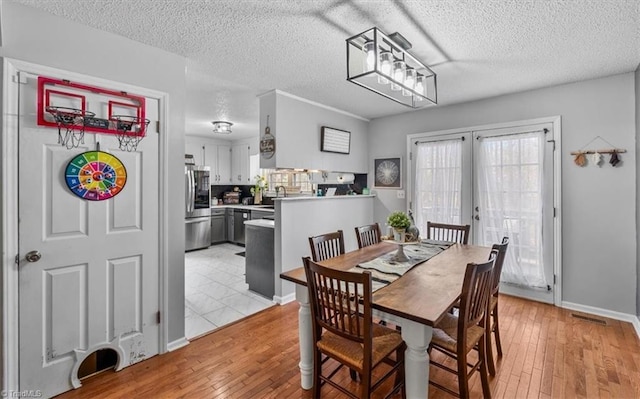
x,y
501,182
96,283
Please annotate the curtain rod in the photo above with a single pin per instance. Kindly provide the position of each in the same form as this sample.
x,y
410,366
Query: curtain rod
x,y
437,141
545,131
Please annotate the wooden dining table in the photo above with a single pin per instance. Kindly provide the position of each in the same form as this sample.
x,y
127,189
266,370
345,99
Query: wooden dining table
x,y
416,302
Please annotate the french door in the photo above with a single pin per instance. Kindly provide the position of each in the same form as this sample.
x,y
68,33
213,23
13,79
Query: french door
x,y
501,182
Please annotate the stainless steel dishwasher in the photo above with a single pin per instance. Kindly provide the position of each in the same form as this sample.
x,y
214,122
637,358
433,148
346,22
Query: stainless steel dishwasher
x,y
239,217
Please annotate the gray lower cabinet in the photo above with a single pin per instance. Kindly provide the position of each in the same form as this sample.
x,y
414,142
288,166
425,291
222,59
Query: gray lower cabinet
x,y
260,273
218,226
229,220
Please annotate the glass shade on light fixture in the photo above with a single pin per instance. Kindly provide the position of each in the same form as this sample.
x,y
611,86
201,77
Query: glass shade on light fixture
x,y
222,127
386,59
398,74
419,87
409,81
383,64
369,49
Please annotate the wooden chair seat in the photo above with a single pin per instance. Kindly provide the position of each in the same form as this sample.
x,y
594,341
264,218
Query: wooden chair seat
x,y
349,353
493,302
445,333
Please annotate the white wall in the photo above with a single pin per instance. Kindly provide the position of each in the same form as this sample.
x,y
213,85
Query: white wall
x,y
599,204
34,36
637,109
297,125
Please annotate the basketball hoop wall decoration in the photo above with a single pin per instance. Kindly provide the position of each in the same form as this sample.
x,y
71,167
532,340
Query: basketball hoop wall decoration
x,y
130,130
72,121
95,175
65,105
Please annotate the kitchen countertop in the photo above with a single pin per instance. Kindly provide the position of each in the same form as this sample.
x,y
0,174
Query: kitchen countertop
x,y
270,224
328,197
246,207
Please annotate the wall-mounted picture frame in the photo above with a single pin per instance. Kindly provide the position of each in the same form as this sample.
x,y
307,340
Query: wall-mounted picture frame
x,y
335,140
387,173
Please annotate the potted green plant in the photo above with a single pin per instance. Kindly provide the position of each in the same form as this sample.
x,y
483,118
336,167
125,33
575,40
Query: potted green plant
x,y
399,221
259,186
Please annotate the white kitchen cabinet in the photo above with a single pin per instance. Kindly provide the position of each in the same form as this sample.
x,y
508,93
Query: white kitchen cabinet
x,y
254,166
218,158
240,173
195,149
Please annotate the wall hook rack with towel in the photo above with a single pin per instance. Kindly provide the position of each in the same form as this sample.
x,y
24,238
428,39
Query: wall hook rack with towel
x,y
596,155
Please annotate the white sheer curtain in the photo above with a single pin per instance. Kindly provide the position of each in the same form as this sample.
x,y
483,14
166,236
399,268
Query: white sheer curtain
x,y
438,183
509,176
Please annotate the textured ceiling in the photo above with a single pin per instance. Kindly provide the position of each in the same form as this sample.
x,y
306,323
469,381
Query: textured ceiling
x,y
237,49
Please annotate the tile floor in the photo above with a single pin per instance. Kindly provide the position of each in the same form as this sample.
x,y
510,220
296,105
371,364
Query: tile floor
x,y
215,289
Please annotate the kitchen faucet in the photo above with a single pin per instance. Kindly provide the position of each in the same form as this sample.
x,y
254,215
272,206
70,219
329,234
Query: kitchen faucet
x,y
278,191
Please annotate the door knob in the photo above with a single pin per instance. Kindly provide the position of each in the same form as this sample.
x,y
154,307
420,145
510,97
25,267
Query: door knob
x,y
33,256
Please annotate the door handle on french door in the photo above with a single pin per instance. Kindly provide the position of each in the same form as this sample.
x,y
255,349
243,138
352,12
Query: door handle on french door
x,y
33,256
476,217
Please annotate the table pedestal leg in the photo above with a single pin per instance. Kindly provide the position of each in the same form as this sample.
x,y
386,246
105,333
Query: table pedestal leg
x,y
416,368
306,338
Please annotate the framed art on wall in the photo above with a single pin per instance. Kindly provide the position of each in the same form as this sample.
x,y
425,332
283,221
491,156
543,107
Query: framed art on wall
x,y
335,140
387,173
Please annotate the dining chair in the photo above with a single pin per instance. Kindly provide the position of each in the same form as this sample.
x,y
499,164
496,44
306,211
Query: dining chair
x,y
368,235
326,246
493,325
456,336
448,232
343,330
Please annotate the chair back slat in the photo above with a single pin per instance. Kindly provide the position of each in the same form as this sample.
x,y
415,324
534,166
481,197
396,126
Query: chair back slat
x,y
497,268
326,246
474,299
448,232
368,235
340,301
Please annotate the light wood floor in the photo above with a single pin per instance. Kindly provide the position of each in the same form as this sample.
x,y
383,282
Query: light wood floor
x,y
548,354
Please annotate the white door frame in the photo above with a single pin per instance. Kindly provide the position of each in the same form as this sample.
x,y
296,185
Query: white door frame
x,y
557,182
9,201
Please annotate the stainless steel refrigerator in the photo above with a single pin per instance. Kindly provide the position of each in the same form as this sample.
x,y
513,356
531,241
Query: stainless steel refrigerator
x,y
198,207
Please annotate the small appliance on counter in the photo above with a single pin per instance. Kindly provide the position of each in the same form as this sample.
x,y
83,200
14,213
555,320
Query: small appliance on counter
x,y
231,197
247,201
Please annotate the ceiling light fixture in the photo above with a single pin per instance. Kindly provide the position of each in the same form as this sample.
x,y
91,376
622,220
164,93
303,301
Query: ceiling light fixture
x,y
222,127
383,65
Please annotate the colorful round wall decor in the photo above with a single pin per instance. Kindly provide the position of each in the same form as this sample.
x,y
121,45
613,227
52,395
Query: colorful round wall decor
x,y
95,175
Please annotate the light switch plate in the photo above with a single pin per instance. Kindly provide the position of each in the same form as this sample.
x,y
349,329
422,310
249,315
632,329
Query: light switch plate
x,y
400,194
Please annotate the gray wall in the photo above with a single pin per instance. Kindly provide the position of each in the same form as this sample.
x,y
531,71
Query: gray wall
x,y
598,204
35,36
297,128
637,108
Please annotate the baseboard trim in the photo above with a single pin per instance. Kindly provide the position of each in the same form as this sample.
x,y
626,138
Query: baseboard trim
x,y
633,319
282,300
177,344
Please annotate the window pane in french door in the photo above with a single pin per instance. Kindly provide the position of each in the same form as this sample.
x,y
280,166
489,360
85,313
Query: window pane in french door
x,y
509,176
438,182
